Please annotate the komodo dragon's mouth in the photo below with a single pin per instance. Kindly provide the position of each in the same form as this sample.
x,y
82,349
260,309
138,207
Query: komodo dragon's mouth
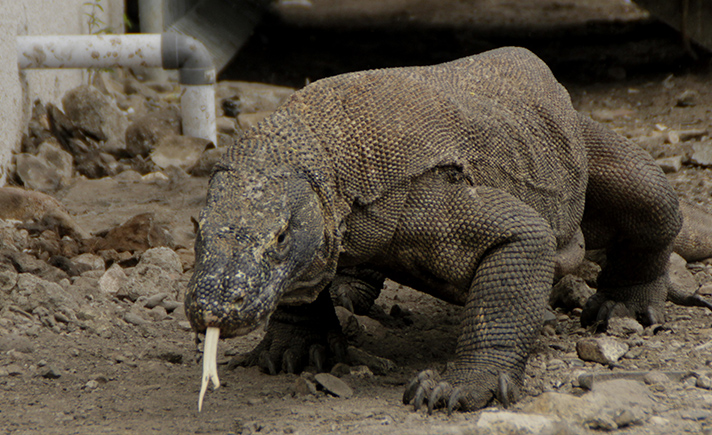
x,y
210,363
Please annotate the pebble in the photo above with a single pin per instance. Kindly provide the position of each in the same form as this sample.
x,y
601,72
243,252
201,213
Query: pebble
x,y
688,97
113,279
670,164
704,381
603,350
91,385
50,372
14,370
304,387
134,319
334,385
623,327
570,292
154,300
702,153
656,377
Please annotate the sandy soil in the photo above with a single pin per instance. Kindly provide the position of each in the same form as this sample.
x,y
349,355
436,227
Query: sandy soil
x,y
145,379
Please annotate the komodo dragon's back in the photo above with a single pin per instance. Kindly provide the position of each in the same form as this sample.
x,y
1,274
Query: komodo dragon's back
x,y
500,117
468,180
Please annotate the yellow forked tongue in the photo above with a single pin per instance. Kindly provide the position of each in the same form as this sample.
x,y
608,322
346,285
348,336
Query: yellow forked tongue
x,y
210,363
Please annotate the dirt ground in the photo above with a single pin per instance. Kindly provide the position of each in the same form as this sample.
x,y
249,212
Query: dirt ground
x,y
621,68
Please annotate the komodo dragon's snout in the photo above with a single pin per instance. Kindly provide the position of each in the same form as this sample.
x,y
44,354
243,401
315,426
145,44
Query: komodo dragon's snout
x,y
247,257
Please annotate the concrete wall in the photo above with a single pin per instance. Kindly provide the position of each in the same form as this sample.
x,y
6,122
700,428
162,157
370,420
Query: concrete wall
x,y
18,89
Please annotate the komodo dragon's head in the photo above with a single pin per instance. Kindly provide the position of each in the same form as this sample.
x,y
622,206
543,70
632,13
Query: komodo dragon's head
x,y
261,240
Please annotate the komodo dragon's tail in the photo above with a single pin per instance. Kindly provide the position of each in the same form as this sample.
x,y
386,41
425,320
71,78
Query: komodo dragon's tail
x,y
693,243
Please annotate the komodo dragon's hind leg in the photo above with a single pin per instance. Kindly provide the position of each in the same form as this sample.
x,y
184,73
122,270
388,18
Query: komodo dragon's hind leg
x,y
495,254
632,212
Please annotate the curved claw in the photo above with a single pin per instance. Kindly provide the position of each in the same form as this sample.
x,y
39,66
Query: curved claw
x,y
456,400
289,362
317,357
267,364
505,393
441,391
419,398
414,384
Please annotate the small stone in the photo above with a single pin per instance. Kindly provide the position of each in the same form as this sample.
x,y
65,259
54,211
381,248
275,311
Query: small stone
x,y
334,385
704,381
163,257
623,327
94,262
702,153
570,292
158,313
14,370
670,164
91,385
179,151
50,373
655,377
144,133
113,279
154,300
688,97
603,350
601,422
134,319
625,417
304,387
185,325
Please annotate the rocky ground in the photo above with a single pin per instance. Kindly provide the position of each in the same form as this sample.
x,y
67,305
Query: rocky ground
x,y
96,249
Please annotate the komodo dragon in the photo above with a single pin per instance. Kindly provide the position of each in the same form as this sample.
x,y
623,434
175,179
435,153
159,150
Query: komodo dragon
x,y
472,181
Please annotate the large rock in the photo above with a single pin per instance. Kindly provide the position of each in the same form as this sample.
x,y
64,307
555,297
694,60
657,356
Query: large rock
x,y
32,292
180,151
143,135
603,350
159,271
138,234
48,171
570,292
98,116
28,206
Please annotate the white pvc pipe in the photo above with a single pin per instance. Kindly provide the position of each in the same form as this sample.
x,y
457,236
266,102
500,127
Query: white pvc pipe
x,y
200,120
144,50
89,51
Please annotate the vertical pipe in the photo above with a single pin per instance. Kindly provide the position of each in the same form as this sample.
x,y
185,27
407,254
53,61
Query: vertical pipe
x,y
151,19
199,120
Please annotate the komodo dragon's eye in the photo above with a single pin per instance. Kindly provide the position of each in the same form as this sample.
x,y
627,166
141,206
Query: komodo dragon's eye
x,y
281,244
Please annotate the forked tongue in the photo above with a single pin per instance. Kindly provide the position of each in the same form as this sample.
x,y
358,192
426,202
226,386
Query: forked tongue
x,y
210,363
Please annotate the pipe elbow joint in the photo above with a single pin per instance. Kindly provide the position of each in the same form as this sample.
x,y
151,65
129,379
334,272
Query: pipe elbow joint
x,y
190,57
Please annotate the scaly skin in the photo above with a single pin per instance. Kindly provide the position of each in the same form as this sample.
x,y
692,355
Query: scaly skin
x,y
461,180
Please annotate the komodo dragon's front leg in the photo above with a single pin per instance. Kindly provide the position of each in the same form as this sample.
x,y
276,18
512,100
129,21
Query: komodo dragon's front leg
x,y
482,247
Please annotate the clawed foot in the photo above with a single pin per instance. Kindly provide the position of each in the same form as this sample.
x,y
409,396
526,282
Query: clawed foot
x,y
290,349
643,302
599,310
297,337
451,392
